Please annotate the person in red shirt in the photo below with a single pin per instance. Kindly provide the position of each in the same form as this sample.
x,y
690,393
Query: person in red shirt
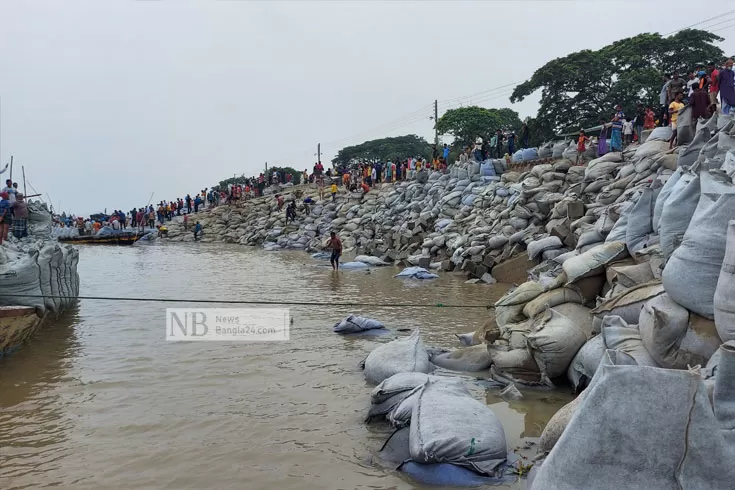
x,y
714,86
365,188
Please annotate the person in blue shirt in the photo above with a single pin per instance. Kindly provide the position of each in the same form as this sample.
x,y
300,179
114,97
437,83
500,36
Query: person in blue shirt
x,y
197,230
511,143
197,203
4,216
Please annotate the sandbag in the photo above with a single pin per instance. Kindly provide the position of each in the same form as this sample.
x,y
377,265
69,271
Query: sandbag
x,y
689,154
470,359
517,365
355,324
698,260
677,213
554,341
627,305
680,447
404,355
585,362
674,338
660,134
551,299
724,299
520,295
593,261
639,222
537,247
22,276
398,383
416,273
685,126
663,195
366,259
629,276
619,335
44,260
471,437
468,339
530,154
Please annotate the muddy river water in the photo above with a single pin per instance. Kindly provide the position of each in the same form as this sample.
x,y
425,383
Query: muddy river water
x,y
99,399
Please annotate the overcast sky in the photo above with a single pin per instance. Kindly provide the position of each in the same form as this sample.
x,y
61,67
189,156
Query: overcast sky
x,y
106,102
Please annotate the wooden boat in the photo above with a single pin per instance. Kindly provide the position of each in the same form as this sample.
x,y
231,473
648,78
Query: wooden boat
x,y
125,238
17,325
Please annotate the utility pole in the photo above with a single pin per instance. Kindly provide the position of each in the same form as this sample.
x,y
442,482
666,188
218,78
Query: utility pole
x,y
266,169
23,168
11,167
436,123
318,152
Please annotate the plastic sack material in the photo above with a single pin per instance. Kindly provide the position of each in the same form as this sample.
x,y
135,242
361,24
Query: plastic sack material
x,y
366,259
619,335
724,299
677,213
675,338
416,273
554,341
398,383
537,247
520,295
660,134
517,156
680,447
585,362
470,359
449,426
530,154
22,276
355,324
698,259
639,222
353,266
404,355
593,261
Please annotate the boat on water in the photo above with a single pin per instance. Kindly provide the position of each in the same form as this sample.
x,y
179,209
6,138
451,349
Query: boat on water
x,y
17,325
117,238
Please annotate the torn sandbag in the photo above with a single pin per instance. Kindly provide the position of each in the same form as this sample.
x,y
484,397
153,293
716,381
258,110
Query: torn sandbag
x,y
449,426
628,304
675,338
356,324
404,355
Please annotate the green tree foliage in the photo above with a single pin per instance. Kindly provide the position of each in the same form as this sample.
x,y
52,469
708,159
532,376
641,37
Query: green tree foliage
x,y
383,149
467,123
579,89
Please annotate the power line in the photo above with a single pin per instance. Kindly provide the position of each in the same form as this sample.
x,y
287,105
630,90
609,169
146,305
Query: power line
x,y
719,16
245,302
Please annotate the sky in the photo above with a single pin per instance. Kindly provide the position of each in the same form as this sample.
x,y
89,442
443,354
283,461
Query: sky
x,y
108,103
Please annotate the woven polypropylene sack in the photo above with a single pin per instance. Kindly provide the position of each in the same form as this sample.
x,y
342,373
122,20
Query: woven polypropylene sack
x,y
399,356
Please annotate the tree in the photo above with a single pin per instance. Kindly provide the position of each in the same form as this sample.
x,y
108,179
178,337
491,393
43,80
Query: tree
x,y
579,89
382,150
241,179
467,123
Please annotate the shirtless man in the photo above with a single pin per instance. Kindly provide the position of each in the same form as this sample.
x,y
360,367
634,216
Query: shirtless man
x,y
336,245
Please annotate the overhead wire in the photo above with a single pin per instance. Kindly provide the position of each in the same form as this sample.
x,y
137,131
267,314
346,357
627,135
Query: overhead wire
x,y
716,17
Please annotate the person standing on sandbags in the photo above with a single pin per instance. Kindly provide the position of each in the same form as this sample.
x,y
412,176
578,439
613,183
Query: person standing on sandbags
x,y
616,138
674,109
336,245
726,84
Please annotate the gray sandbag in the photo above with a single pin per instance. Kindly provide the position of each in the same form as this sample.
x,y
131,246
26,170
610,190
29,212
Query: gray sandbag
x,y
356,324
679,446
449,426
697,261
628,304
630,275
382,410
470,359
593,261
619,335
663,195
585,362
398,383
675,338
551,299
678,212
521,295
404,355
661,134
689,154
45,258
724,393
685,126
468,339
553,342
537,247
620,229
579,314
21,276
724,300
639,222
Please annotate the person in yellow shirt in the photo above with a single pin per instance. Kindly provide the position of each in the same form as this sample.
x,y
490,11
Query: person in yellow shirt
x,y
334,191
674,109
435,163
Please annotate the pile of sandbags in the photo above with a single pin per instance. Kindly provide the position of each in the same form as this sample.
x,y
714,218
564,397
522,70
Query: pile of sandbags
x,y
405,355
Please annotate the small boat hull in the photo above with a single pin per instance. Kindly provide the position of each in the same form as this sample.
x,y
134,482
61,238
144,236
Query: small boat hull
x,y
17,325
103,240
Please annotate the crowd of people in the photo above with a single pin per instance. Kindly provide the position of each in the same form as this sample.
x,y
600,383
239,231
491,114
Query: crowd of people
x,y
13,211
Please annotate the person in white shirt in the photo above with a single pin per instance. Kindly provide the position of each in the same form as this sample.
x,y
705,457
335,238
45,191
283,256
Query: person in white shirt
x,y
628,131
115,225
478,149
12,191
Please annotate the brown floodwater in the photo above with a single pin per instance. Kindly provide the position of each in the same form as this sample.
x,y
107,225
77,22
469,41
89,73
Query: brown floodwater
x,y
99,399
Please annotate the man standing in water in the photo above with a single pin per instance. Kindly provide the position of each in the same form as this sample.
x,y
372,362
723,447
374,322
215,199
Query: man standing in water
x,y
336,245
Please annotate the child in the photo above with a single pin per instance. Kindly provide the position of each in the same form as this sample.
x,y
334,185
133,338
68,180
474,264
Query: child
x,y
627,131
581,148
334,191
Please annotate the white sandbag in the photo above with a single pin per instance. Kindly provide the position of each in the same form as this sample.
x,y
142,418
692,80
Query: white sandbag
x,y
517,365
685,126
660,134
675,338
354,324
22,276
600,167
554,341
521,295
593,261
677,213
681,446
537,247
724,300
470,359
530,154
591,237
639,222
366,259
404,355
698,260
467,339
619,335
650,148
585,362
416,273
663,195
471,437
551,299
398,383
